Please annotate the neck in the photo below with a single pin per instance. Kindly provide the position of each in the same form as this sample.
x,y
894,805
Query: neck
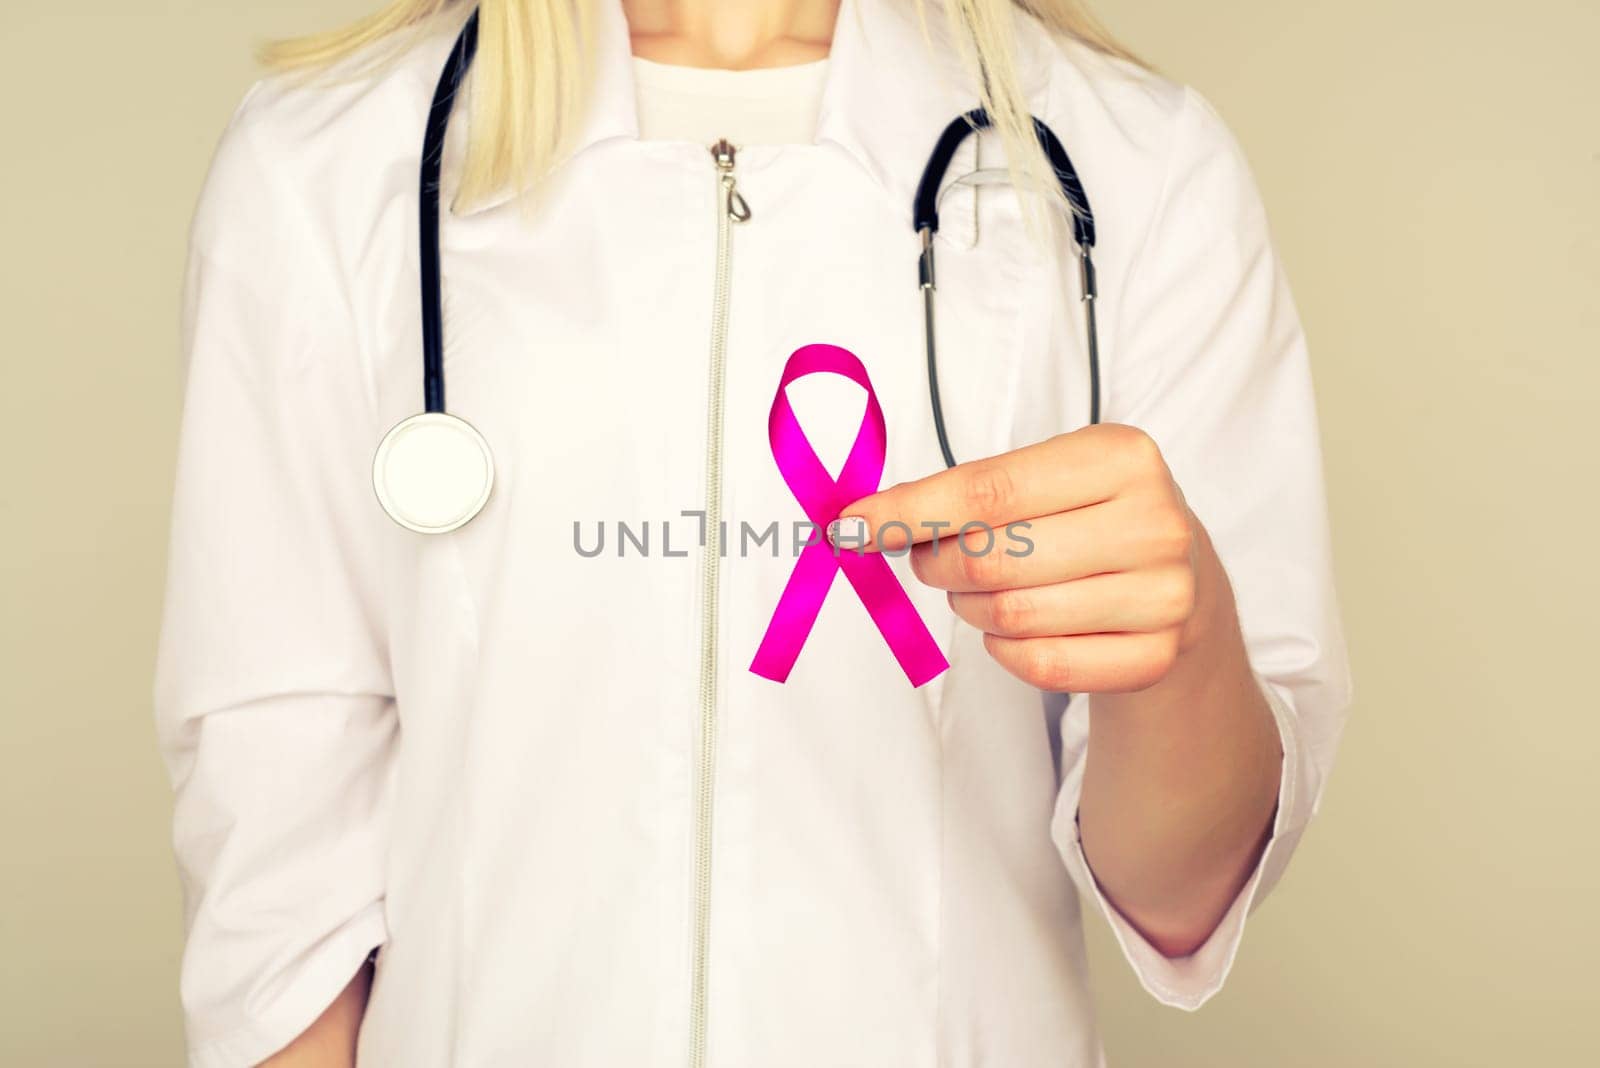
x,y
731,34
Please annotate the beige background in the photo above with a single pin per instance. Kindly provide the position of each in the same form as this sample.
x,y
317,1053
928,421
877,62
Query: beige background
x,y
1433,172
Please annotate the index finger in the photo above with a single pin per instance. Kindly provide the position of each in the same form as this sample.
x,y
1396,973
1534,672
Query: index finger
x,y
1059,474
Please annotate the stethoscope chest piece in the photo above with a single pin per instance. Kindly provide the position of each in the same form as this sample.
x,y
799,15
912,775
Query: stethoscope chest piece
x,y
432,472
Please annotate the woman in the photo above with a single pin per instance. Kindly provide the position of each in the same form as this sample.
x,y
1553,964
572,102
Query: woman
x,y
566,785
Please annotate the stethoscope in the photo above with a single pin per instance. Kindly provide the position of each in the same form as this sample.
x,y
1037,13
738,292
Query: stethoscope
x,y
433,471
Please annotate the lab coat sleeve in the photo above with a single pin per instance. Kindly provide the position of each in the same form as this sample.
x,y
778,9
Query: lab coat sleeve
x,y
273,702
1209,358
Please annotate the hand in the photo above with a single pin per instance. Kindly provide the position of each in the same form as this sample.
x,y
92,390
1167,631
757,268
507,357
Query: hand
x,y
1121,594
1089,573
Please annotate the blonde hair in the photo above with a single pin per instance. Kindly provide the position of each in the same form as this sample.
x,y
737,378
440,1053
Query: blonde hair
x,y
535,62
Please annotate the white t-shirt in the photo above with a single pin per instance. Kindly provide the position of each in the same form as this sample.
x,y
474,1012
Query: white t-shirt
x,y
764,106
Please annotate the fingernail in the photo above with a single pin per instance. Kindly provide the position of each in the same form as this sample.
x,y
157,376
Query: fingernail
x,y
848,531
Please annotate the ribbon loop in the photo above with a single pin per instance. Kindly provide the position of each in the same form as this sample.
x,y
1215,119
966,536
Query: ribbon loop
x,y
822,497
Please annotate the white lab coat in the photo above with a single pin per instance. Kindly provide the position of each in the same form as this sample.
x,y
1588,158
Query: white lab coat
x,y
482,750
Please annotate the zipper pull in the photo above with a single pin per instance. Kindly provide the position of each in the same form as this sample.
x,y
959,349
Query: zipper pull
x,y
734,203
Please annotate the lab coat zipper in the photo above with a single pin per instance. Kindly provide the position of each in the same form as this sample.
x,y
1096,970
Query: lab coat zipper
x,y
731,209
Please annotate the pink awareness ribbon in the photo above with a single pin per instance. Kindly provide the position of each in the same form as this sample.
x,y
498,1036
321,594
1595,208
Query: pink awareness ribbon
x,y
822,498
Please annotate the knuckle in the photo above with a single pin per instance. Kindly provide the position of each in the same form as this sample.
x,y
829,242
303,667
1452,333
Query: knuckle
x,y
1141,459
1166,652
1177,596
983,570
1172,534
990,489
922,564
1133,444
1037,661
1143,448
1011,612
1048,668
1158,660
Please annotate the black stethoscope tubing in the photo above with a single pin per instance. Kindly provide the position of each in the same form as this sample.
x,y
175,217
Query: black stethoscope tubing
x,y
925,219
444,95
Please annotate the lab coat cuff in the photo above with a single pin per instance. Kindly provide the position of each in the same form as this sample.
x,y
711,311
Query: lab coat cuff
x,y
1189,982
307,990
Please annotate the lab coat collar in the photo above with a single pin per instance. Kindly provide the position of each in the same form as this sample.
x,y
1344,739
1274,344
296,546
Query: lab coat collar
x,y
893,82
